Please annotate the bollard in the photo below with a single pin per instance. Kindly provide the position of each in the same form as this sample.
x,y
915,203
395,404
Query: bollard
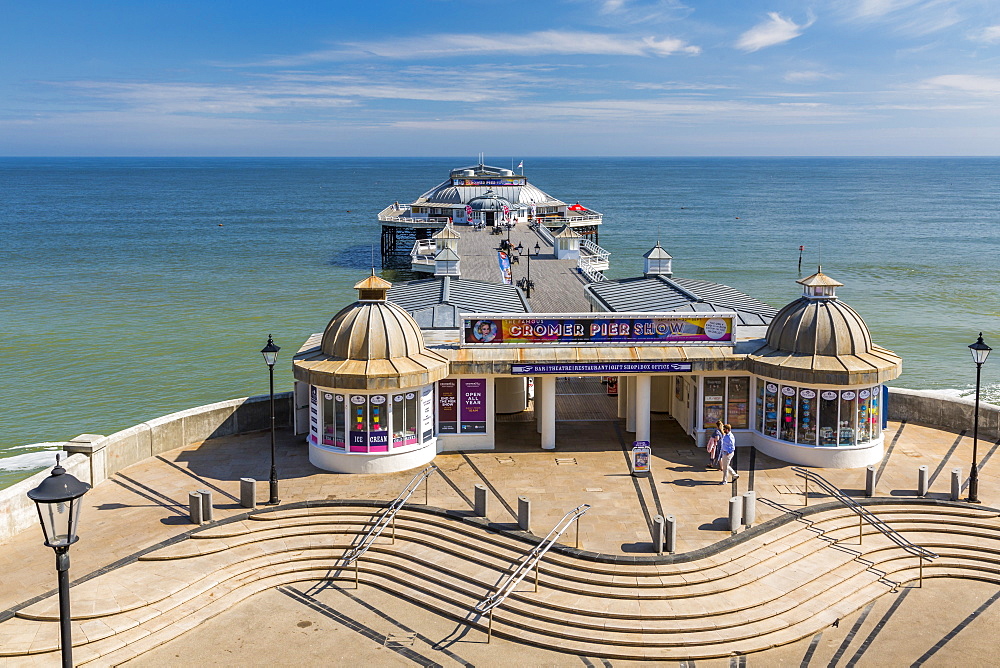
x,y
248,492
922,484
956,484
749,508
481,497
870,482
658,534
735,519
206,504
524,513
671,534
194,507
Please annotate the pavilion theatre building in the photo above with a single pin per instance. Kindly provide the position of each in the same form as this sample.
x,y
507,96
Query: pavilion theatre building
x,y
423,367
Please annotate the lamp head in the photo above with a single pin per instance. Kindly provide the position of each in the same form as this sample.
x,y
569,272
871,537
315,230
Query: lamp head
x,y
58,501
980,351
270,351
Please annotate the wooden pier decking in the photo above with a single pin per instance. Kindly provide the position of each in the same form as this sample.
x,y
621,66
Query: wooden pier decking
x,y
558,283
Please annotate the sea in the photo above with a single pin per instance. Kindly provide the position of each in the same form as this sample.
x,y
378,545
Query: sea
x,y
135,287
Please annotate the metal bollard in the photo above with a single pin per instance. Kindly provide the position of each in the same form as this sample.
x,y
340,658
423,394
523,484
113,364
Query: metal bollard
x,y
206,504
524,513
248,492
735,514
658,534
194,507
671,545
922,484
481,497
749,508
870,482
956,484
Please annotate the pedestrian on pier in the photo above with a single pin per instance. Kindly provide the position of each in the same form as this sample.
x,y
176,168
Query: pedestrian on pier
x,y
728,448
712,446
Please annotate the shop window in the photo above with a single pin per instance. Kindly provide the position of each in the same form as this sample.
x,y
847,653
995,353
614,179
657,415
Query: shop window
x,y
771,410
404,419
874,412
829,405
864,416
806,433
786,413
848,408
714,402
738,402
333,419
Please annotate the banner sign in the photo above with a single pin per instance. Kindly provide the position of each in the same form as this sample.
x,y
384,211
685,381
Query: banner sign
x,y
448,406
427,413
585,329
472,410
492,181
504,261
603,368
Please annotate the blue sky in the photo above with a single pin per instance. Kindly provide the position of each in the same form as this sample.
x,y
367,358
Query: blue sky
x,y
549,77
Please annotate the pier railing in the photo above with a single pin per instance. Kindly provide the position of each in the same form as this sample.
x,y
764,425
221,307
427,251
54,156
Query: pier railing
x,y
423,252
402,213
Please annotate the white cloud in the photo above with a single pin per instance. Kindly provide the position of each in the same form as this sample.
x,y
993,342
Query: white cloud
x,y
776,30
914,18
966,83
807,76
989,34
547,42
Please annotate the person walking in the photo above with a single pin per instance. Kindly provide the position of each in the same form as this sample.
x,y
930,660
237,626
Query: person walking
x,y
712,446
727,447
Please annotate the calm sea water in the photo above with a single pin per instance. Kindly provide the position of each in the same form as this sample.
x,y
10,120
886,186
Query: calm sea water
x,y
135,287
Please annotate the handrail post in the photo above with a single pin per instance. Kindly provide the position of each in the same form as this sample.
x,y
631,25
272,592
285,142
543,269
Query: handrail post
x,y
536,576
489,628
427,492
357,585
578,533
393,529
806,495
861,520
921,557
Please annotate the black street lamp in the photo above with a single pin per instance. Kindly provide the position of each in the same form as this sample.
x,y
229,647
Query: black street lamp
x,y
980,351
527,283
58,502
270,353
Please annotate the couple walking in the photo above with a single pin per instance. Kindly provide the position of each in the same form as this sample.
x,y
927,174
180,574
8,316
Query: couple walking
x,y
721,447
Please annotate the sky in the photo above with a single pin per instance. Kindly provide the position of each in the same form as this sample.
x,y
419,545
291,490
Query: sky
x,y
459,77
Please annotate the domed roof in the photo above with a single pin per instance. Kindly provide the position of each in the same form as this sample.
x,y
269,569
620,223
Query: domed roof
x,y
814,327
489,201
372,344
819,339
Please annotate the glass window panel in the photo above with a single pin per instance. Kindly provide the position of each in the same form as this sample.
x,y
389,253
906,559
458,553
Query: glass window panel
x,y
807,417
738,403
398,420
412,425
329,419
829,404
787,413
759,426
874,411
714,402
848,413
771,410
864,416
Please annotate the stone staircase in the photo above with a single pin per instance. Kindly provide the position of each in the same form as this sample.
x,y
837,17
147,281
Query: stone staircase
x,y
773,584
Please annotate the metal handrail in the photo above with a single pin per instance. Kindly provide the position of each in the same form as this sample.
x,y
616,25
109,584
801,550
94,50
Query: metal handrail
x,y
388,515
865,514
531,560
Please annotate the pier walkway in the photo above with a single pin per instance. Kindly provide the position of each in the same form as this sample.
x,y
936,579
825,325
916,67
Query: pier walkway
x,y
558,283
771,595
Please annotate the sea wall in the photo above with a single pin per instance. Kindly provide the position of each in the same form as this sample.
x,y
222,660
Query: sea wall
x,y
94,458
954,414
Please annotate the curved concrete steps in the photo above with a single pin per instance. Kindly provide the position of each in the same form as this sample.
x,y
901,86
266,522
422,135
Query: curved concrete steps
x,y
776,584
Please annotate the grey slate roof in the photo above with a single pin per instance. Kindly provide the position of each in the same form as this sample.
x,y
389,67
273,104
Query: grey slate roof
x,y
659,293
425,300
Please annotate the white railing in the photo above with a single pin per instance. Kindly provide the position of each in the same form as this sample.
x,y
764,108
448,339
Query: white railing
x,y
403,214
546,234
592,250
591,268
423,251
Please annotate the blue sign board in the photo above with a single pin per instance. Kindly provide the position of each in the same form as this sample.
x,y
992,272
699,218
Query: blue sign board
x,y
606,368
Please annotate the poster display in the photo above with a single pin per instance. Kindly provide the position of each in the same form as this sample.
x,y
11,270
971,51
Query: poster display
x,y
426,414
448,406
585,329
472,411
640,458
314,414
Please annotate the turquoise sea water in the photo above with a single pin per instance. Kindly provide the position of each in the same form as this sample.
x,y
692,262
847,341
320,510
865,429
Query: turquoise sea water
x,y
135,287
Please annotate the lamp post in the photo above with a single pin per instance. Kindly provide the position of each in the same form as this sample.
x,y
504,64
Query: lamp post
x,y
528,284
270,353
58,503
980,351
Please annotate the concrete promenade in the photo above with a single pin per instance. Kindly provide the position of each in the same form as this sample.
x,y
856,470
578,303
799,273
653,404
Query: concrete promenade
x,y
145,504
